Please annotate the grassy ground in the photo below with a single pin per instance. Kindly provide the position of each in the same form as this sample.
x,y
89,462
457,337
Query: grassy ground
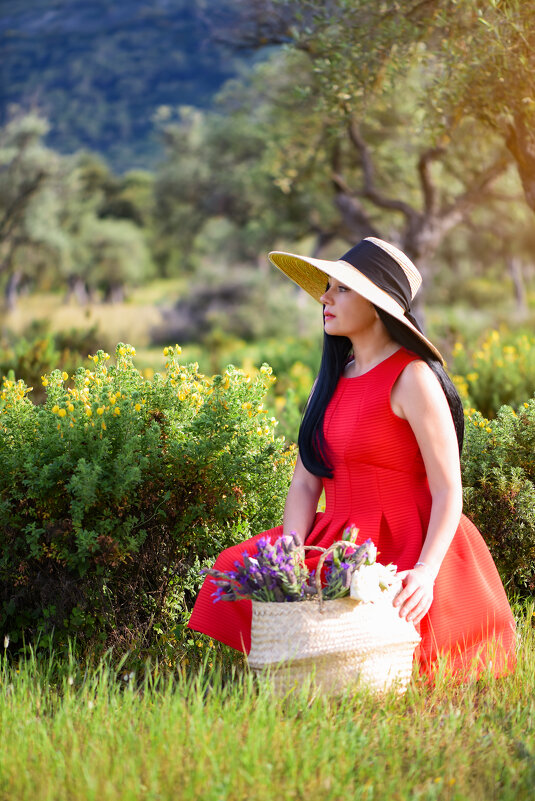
x,y
95,735
129,321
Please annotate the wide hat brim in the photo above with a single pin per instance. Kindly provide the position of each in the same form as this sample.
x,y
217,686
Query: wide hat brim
x,y
312,275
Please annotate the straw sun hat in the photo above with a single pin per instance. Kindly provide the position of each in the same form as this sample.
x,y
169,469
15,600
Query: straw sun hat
x,y
377,270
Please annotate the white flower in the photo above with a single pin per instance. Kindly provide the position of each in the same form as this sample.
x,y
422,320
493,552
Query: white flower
x,y
371,582
372,554
6,641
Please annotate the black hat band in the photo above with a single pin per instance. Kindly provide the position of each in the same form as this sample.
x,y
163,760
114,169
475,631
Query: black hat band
x,y
382,269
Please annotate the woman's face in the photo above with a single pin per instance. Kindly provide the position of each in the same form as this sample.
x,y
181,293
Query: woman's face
x,y
345,312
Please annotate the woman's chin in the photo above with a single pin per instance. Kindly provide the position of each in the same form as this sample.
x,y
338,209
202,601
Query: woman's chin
x,y
330,327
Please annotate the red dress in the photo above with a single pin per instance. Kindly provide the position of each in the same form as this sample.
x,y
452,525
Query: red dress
x,y
380,486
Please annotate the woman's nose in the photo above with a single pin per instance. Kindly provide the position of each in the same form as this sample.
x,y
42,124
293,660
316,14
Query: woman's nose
x,y
325,298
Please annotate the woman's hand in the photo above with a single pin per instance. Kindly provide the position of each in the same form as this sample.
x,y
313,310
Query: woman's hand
x,y
416,595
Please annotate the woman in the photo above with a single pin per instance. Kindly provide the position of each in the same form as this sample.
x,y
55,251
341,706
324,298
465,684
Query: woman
x,y
382,434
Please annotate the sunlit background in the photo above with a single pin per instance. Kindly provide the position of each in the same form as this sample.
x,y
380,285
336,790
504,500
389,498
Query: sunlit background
x,y
152,154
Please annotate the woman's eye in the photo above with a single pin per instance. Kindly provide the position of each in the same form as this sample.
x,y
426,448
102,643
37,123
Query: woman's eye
x,y
343,289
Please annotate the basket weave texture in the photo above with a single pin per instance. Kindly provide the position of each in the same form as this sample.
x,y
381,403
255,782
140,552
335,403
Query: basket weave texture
x,y
347,643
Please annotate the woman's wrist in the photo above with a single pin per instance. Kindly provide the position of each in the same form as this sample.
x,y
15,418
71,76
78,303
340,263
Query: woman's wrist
x,y
430,570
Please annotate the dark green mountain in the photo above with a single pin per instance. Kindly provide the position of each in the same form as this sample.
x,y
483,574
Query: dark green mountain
x,y
100,69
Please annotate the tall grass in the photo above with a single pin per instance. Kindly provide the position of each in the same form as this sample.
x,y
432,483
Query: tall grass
x,y
70,734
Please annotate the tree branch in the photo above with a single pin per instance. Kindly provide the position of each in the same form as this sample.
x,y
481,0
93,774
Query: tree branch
x,y
370,191
428,188
355,217
9,219
479,187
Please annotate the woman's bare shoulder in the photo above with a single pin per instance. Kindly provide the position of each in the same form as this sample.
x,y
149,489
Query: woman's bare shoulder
x,y
417,387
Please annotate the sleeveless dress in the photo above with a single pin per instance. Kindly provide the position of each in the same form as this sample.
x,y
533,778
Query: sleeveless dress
x,y
380,485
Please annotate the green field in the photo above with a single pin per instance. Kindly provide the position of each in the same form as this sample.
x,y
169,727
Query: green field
x,y
71,733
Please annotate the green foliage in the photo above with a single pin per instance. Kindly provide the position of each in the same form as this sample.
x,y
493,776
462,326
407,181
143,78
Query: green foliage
x,y
500,370
39,351
295,361
499,489
117,489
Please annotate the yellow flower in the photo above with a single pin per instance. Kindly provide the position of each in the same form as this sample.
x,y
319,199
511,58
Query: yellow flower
x,y
64,375
44,380
70,407
88,411
117,411
100,410
121,351
247,405
62,413
166,351
112,399
55,409
137,407
103,425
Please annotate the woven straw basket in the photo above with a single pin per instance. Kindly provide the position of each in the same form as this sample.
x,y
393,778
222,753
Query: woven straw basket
x,y
339,643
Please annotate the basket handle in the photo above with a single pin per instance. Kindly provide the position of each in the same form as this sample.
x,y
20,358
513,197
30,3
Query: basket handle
x,y
321,560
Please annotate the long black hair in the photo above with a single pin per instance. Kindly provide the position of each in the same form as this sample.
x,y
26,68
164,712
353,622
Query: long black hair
x,y
336,352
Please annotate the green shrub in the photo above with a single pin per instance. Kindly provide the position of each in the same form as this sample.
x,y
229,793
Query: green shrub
x,y
39,351
116,490
499,489
501,370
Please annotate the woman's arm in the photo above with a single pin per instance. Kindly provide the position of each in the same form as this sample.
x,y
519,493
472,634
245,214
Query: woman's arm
x,y
301,501
418,398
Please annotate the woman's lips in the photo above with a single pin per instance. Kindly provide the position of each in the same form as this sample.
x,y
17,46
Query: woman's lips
x,y
328,316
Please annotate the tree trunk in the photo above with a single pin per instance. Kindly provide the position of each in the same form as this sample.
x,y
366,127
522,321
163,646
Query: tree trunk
x,y
114,293
514,265
521,144
77,289
12,289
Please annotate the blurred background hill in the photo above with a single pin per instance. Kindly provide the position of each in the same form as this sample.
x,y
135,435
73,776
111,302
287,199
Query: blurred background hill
x,y
105,72
151,154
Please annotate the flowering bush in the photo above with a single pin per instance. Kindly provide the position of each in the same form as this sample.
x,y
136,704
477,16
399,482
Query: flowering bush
x,y
39,350
501,370
499,489
117,489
